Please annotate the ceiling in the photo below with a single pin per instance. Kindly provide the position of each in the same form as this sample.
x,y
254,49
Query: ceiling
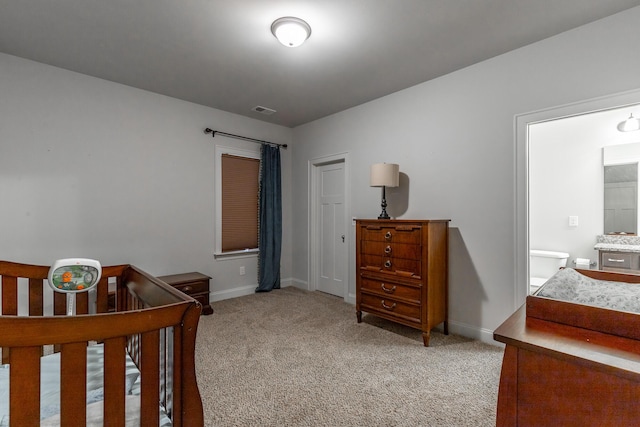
x,y
221,53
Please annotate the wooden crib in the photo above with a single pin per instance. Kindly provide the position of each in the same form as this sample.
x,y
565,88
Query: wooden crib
x,y
132,317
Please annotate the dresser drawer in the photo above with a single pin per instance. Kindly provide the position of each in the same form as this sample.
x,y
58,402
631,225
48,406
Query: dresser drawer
x,y
391,289
399,250
401,267
390,307
399,234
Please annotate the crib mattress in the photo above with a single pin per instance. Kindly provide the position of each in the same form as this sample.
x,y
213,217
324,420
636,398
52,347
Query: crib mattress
x,y
50,390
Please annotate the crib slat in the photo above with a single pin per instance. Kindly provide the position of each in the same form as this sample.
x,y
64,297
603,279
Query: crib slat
x,y
82,303
9,295
24,388
114,388
150,372
102,295
73,383
9,305
36,296
59,304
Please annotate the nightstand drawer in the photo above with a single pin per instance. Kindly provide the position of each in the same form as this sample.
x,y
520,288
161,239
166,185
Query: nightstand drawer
x,y
191,288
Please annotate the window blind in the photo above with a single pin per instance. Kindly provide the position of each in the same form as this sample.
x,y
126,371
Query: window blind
x,y
240,177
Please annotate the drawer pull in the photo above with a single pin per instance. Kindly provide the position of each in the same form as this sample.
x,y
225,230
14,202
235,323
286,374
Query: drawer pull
x,y
387,263
387,290
388,307
615,260
186,289
388,235
387,250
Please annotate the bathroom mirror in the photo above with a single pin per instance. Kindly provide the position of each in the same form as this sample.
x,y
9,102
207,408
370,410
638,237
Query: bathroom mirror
x,y
621,188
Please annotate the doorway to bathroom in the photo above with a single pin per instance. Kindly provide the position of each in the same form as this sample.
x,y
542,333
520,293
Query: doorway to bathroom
x,y
560,179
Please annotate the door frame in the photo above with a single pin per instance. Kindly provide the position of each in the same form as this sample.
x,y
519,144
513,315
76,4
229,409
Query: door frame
x,y
314,226
521,201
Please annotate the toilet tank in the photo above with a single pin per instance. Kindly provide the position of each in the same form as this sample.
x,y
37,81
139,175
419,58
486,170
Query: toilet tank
x,y
544,264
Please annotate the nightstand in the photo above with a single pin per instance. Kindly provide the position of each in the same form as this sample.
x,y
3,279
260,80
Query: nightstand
x,y
196,285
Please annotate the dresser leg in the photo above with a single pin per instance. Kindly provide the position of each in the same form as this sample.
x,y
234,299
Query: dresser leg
x,y
446,327
425,338
359,316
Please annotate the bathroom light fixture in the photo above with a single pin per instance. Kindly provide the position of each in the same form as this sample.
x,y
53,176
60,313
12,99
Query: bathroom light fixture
x,y
290,31
384,175
629,125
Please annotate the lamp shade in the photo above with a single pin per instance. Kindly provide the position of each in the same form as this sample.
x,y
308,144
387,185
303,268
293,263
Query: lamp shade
x,y
385,175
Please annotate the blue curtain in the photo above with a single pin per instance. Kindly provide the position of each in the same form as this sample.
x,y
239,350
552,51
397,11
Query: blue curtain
x,y
270,236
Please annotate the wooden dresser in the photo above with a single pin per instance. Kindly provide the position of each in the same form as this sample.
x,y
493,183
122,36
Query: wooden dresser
x,y
196,285
402,272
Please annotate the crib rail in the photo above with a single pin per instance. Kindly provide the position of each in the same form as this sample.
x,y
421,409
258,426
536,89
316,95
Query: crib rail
x,y
153,323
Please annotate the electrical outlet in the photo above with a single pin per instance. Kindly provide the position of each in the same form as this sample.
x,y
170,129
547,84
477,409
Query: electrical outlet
x,y
573,221
242,271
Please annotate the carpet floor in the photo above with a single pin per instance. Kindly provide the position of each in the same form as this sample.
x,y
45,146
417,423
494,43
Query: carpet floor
x,y
297,358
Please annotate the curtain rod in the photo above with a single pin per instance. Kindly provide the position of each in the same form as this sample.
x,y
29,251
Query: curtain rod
x,y
259,141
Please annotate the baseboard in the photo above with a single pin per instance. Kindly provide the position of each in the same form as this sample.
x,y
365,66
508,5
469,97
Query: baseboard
x,y
300,284
242,291
480,334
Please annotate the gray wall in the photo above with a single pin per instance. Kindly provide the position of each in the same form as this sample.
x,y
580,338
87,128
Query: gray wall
x,y
95,169
454,139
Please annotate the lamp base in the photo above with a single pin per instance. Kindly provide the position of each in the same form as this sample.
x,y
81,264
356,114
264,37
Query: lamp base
x,y
383,204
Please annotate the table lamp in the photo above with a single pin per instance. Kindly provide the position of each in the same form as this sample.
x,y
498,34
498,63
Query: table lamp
x,y
384,175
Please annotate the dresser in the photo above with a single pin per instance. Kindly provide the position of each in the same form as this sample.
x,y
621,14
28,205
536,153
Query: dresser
x,y
196,285
402,272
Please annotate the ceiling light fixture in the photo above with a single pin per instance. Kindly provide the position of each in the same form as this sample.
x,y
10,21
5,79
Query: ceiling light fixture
x,y
290,31
629,125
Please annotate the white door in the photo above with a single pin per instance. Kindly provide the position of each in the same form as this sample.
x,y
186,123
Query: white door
x,y
331,237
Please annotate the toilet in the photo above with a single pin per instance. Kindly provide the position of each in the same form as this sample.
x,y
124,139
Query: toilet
x,y
543,265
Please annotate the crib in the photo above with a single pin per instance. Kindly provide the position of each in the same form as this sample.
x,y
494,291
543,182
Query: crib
x,y
572,353
126,356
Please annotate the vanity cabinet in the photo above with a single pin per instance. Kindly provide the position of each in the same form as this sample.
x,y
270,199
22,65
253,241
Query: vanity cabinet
x,y
403,272
626,262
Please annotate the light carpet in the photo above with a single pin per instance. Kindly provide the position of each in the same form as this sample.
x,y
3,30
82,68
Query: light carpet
x,y
297,358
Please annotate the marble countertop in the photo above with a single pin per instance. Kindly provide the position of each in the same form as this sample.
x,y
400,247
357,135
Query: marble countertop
x,y
618,247
618,243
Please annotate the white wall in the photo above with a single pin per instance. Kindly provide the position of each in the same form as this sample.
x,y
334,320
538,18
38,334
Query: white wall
x,y
96,169
454,139
566,178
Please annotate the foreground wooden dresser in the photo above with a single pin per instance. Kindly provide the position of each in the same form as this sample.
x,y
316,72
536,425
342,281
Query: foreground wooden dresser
x,y
403,272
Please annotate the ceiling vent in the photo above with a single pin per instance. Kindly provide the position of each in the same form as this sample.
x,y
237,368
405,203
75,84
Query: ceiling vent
x,y
263,110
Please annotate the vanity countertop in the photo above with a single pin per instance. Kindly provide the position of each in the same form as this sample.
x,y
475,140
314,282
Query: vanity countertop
x,y
617,247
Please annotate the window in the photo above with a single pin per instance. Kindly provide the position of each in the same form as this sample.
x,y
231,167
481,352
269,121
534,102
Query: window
x,y
237,185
